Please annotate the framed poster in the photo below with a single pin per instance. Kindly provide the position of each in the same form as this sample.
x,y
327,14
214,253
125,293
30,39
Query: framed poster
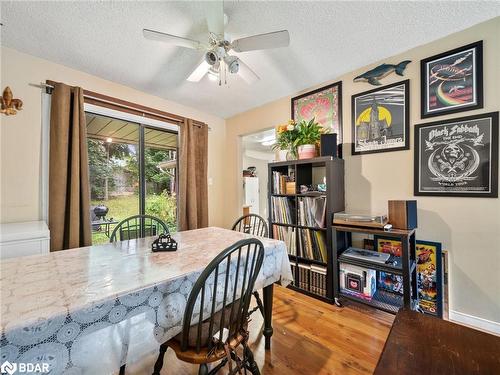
x,y
429,277
380,119
388,281
452,81
388,245
457,157
323,104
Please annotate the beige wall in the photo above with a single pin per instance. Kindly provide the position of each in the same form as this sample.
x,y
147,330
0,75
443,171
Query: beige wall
x,y
20,134
468,227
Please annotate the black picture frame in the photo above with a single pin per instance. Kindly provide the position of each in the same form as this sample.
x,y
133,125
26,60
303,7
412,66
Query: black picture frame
x,y
435,182
439,277
405,117
338,85
477,81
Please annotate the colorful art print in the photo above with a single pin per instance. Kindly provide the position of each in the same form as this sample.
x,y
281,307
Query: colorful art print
x,y
389,281
324,105
389,246
380,119
429,277
452,81
457,157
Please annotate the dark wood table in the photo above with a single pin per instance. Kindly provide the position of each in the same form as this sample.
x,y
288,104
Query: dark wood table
x,y
421,344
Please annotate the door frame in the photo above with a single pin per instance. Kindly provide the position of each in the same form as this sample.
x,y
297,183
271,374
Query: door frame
x,y
143,123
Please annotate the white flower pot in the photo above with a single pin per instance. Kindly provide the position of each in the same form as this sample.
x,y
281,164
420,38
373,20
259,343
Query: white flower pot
x,y
282,155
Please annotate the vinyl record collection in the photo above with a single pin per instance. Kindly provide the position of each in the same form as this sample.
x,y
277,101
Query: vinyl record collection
x,y
287,235
312,211
283,211
312,245
303,196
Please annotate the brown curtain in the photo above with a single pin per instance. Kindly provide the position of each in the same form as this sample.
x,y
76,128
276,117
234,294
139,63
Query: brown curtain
x,y
69,191
193,164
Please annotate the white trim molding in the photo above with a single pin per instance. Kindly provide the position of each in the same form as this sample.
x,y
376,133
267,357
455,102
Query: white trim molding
x,y
475,322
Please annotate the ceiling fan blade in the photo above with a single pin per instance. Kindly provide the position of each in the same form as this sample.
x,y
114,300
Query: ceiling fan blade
x,y
215,17
262,41
171,39
199,72
246,73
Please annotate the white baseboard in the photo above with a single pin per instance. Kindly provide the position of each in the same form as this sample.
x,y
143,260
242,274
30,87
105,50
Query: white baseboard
x,y
475,322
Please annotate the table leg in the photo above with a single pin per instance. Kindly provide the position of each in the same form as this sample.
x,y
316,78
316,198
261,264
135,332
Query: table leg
x,y
268,314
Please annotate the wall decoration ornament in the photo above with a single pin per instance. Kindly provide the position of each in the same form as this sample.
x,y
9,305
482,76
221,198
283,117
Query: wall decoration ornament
x,y
10,106
380,119
452,81
373,76
457,157
429,277
324,105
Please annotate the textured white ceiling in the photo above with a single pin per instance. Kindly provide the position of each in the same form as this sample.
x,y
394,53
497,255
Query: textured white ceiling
x,y
327,40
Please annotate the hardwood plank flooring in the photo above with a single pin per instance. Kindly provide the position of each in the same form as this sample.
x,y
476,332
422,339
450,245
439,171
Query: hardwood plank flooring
x,y
310,337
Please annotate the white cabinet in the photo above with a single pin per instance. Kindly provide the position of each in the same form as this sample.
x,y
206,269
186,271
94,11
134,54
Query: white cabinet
x,y
251,185
27,238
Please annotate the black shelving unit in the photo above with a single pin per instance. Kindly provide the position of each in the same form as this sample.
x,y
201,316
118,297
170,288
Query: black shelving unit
x,y
305,172
404,266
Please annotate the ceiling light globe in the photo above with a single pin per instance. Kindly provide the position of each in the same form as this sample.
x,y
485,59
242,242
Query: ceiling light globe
x,y
211,57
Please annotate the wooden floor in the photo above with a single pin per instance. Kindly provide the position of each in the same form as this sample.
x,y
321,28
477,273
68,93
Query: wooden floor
x,y
310,337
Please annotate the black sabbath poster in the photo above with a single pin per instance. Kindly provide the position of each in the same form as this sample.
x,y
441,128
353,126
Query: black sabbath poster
x,y
457,157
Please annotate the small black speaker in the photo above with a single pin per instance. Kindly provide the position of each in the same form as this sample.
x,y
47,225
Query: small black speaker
x,y
329,145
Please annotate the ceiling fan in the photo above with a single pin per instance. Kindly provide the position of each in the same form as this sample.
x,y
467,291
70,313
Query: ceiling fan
x,y
217,61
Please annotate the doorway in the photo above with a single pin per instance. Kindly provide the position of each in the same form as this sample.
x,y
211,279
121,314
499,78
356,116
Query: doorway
x,y
256,153
132,170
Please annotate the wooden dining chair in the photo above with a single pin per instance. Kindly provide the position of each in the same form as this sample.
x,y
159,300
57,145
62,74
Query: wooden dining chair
x,y
138,226
252,224
215,321
256,226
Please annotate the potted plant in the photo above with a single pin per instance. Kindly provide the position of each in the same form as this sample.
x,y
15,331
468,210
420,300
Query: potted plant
x,y
286,135
308,135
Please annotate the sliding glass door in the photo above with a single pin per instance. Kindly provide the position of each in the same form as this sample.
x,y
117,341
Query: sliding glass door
x,y
132,171
160,165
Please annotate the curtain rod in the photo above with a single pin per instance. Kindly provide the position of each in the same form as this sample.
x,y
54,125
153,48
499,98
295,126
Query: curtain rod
x,y
95,97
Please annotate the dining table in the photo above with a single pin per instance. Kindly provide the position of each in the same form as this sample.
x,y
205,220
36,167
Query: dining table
x,y
94,309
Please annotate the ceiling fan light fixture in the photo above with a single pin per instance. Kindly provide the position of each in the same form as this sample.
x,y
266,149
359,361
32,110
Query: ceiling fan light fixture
x,y
211,57
233,65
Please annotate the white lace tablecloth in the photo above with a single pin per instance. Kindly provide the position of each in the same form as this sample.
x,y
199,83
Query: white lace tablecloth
x,y
89,310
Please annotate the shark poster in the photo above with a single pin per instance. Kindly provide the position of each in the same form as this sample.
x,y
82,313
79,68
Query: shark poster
x,y
457,157
380,119
452,81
